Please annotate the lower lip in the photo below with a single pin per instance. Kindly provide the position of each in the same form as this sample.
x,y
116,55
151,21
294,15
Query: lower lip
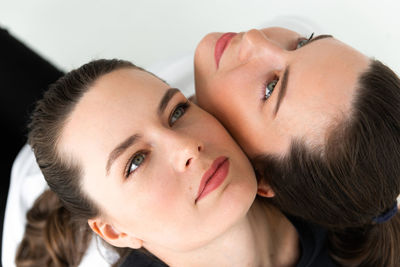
x,y
216,180
221,44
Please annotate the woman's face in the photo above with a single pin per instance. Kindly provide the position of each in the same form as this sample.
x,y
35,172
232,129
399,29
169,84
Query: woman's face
x,y
160,168
310,85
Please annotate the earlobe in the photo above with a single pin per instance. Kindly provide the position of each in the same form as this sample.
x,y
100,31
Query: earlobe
x,y
112,236
265,189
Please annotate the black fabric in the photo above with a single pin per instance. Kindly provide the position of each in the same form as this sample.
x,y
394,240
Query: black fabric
x,y
24,75
139,259
313,244
314,252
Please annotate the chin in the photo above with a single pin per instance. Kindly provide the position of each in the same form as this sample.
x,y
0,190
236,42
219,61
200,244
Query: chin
x,y
241,195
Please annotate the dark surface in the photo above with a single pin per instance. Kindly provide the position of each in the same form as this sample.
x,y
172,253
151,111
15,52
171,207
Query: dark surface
x,y
24,75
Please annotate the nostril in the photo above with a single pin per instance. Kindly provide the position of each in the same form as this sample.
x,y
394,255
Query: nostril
x,y
188,162
199,148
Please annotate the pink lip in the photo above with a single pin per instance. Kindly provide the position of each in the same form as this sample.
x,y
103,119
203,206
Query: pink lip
x,y
221,44
213,177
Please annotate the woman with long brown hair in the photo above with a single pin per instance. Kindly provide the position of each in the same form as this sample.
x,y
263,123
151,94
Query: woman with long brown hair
x,y
320,122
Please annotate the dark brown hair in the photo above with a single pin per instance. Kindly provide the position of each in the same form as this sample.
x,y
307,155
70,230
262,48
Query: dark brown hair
x,y
57,232
352,178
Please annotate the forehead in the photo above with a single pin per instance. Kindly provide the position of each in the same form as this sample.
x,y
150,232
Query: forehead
x,y
321,87
117,104
125,84
325,74
330,56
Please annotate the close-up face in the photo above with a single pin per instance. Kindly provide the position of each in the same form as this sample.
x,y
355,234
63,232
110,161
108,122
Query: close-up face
x,y
159,168
272,86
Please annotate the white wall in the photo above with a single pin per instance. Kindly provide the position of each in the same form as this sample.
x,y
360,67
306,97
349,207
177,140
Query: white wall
x,y
69,33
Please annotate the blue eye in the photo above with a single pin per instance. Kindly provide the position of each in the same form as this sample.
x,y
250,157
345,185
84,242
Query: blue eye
x,y
269,88
303,42
135,162
178,112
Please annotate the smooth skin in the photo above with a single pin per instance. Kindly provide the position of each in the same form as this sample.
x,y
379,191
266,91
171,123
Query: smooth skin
x,y
146,189
320,85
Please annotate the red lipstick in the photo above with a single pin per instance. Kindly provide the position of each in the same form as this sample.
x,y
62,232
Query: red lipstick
x,y
221,44
213,177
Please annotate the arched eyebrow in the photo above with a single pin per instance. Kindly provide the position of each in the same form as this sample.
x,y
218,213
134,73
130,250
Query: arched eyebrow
x,y
118,150
131,140
165,99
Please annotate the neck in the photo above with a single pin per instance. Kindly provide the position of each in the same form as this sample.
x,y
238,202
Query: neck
x,y
276,238
263,238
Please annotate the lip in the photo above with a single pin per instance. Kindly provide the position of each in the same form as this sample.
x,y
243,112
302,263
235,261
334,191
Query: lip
x,y
213,177
221,44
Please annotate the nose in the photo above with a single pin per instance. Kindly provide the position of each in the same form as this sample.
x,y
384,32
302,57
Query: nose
x,y
256,45
183,150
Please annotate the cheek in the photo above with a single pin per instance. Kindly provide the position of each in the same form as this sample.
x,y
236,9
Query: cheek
x,y
226,99
215,135
160,186
151,200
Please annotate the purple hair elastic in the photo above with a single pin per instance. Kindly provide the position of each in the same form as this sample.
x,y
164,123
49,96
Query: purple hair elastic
x,y
384,217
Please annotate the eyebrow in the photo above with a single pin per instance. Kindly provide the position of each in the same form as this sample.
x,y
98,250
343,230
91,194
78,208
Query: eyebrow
x,y
282,91
319,37
131,140
166,98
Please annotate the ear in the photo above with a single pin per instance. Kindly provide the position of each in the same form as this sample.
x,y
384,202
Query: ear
x,y
112,236
264,189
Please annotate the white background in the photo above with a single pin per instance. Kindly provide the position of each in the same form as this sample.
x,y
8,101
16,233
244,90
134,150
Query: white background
x,y
72,32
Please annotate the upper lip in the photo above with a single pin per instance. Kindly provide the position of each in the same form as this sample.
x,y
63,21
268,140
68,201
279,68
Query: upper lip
x,y
221,44
209,173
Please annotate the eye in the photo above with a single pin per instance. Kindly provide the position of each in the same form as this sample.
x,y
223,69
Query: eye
x,y
269,88
303,42
178,112
135,162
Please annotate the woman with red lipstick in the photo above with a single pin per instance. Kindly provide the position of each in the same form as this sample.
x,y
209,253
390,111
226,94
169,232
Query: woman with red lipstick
x,y
321,123
129,158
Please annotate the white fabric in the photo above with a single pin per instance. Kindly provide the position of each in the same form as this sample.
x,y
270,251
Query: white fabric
x,y
26,185
27,182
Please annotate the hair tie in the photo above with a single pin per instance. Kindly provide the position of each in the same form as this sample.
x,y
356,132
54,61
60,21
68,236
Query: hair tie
x,y
384,217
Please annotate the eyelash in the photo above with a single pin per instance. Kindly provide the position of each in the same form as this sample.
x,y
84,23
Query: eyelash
x,y
130,162
184,105
266,83
304,40
128,172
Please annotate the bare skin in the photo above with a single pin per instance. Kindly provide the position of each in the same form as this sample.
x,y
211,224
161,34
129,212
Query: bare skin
x,y
148,191
320,78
